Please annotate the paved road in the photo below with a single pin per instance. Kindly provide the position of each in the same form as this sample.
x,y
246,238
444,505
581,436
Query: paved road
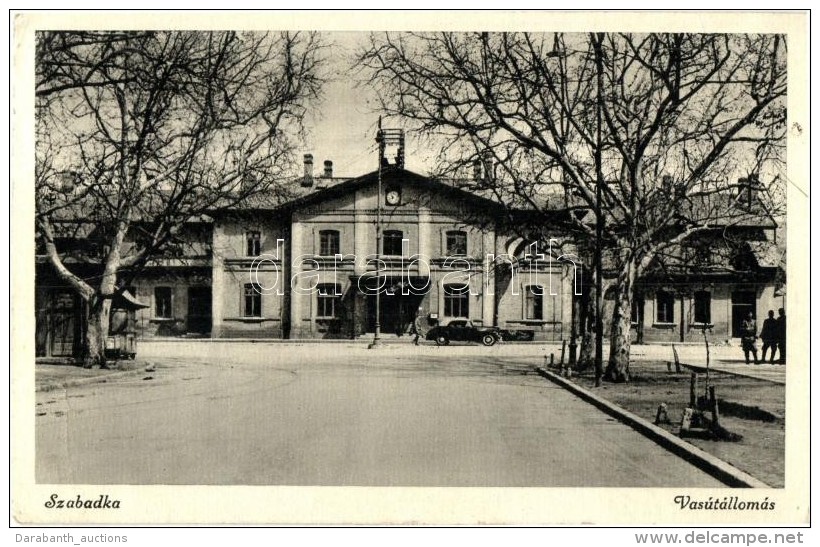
x,y
285,415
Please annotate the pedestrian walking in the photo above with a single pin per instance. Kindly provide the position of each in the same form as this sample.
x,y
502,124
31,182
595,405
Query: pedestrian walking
x,y
417,328
781,335
748,335
769,336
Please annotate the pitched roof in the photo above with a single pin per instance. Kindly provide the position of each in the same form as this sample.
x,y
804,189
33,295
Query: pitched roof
x,y
767,253
337,187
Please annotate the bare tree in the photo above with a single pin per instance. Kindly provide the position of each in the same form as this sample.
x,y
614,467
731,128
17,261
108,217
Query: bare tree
x,y
658,124
139,133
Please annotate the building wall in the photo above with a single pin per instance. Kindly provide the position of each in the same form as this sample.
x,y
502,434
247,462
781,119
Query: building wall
x,y
233,269
423,220
719,328
291,265
291,310
555,281
180,281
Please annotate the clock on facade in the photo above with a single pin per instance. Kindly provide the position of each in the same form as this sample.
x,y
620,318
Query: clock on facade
x,y
392,196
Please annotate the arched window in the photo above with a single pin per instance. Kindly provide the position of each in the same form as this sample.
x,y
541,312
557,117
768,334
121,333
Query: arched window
x,y
457,300
534,305
391,242
329,242
456,243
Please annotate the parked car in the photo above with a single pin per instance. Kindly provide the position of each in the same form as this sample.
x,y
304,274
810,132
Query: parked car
x,y
517,335
463,330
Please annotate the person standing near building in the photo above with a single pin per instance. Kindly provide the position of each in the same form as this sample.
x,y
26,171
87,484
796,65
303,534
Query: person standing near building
x,y
769,336
781,335
748,335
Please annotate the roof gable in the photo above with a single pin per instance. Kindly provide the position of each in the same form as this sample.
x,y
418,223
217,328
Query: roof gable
x,y
390,176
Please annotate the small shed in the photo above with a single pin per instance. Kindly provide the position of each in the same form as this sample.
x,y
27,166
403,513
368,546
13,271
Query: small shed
x,y
121,342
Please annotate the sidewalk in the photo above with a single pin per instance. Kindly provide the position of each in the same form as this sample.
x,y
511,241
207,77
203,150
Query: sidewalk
x,y
689,353
50,376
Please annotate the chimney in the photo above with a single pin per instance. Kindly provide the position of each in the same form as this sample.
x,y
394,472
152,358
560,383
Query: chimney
x,y
754,180
67,182
328,169
307,181
476,170
400,152
750,186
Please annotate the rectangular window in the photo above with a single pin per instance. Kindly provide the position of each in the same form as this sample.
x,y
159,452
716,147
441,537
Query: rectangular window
x,y
703,307
665,303
456,300
534,302
253,300
456,243
328,243
254,244
328,299
391,242
637,311
163,305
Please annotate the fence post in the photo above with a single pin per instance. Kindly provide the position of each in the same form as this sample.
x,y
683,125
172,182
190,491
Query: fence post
x,y
693,391
714,404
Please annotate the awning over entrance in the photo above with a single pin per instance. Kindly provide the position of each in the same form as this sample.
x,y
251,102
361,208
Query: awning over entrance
x,y
127,301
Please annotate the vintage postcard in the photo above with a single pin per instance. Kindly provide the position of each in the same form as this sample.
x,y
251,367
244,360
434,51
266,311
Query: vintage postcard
x,y
410,267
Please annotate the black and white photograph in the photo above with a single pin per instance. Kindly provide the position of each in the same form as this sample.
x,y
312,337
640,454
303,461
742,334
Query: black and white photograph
x,y
464,268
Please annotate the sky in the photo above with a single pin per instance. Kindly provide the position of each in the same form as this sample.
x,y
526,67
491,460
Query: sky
x,y
343,127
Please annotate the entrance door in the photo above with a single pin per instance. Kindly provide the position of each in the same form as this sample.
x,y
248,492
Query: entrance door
x,y
199,310
397,312
64,323
743,302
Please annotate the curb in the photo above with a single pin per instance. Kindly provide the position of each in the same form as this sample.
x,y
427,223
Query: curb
x,y
302,341
88,380
725,472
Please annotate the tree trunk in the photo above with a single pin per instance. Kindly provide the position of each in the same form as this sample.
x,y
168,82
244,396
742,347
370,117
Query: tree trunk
x,y
586,356
617,369
96,332
99,311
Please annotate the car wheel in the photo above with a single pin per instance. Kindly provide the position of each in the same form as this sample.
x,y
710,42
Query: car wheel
x,y
442,340
488,339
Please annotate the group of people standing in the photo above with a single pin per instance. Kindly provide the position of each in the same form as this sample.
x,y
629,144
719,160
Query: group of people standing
x,y
773,335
